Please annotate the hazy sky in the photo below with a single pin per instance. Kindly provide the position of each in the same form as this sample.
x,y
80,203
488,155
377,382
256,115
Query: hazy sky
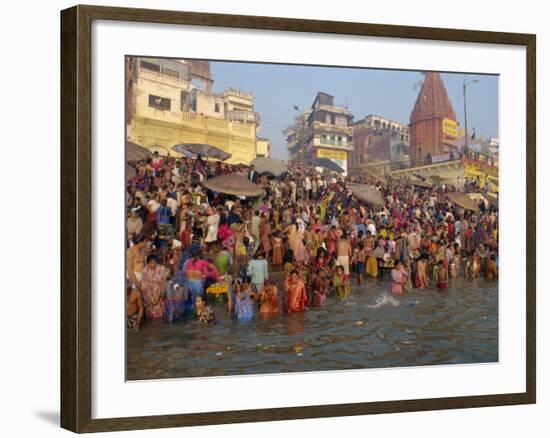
x,y
390,93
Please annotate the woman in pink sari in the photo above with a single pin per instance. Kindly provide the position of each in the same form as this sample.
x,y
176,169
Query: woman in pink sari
x,y
295,293
152,285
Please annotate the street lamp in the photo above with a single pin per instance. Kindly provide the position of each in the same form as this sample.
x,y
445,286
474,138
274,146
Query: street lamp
x,y
464,85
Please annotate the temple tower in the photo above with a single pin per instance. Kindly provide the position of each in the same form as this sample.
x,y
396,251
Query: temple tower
x,y
426,121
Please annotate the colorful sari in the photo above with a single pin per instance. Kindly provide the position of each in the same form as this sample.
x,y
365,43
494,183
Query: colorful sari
x,y
151,288
295,296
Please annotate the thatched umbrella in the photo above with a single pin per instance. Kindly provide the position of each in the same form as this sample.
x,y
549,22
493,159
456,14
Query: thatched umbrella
x,y
375,175
493,200
204,150
234,184
327,164
367,193
436,179
130,172
422,184
463,200
135,152
265,165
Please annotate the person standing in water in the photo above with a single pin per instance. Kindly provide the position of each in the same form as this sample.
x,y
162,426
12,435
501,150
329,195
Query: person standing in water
x,y
344,253
442,276
398,279
295,293
340,281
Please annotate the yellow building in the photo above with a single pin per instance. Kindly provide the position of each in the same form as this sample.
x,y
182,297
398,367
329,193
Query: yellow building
x,y
169,103
263,147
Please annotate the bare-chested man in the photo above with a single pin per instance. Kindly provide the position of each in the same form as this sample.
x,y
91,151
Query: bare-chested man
x,y
344,253
134,308
135,261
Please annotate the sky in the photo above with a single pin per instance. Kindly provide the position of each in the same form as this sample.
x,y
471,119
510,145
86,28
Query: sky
x,y
389,93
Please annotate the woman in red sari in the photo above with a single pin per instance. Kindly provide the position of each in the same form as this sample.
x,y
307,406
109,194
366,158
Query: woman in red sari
x,y
295,293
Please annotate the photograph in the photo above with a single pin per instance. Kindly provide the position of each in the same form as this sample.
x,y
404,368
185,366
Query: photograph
x,y
285,218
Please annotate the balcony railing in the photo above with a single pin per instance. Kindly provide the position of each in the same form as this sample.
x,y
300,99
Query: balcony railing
x,y
244,116
426,161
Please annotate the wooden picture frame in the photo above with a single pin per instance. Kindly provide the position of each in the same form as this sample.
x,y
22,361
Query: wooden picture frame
x,y
76,218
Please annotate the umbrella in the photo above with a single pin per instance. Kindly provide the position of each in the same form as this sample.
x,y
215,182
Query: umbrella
x,y
436,179
375,175
233,184
130,172
269,165
204,150
367,193
463,200
135,152
493,200
422,184
327,164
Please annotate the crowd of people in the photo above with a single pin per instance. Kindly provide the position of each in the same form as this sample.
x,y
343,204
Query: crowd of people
x,y
188,246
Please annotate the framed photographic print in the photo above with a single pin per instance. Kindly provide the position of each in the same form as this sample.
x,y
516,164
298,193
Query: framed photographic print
x,y
269,218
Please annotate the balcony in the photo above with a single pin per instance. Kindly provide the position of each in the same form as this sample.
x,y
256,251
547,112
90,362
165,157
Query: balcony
x,y
333,144
243,116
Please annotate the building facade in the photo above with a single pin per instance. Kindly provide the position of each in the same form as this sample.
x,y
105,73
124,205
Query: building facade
x,y
377,139
263,147
323,131
431,114
171,102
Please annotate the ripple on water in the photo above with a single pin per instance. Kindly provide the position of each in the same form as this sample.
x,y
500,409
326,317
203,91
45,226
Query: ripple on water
x,y
375,330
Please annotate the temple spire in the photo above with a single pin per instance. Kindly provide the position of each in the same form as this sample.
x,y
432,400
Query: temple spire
x,y
426,122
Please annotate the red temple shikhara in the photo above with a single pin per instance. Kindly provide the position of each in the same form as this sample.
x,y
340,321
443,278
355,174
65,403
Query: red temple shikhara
x,y
431,108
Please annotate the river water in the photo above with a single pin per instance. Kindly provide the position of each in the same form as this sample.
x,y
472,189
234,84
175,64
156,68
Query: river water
x,y
371,330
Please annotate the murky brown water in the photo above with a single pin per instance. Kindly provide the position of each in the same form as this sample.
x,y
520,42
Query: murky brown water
x,y
372,330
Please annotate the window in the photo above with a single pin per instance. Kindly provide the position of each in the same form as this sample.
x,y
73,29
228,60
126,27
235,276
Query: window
x,y
170,72
150,66
217,107
158,102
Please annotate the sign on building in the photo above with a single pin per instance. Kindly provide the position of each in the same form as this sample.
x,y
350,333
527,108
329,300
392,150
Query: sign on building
x,y
450,128
332,154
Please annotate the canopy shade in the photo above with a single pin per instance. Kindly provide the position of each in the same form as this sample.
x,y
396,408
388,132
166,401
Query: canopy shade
x,y
233,184
204,150
130,171
367,193
420,183
493,200
270,166
463,200
327,164
135,152
375,175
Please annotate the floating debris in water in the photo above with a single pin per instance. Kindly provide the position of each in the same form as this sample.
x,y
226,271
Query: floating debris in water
x,y
228,348
300,354
359,323
219,353
412,303
298,348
